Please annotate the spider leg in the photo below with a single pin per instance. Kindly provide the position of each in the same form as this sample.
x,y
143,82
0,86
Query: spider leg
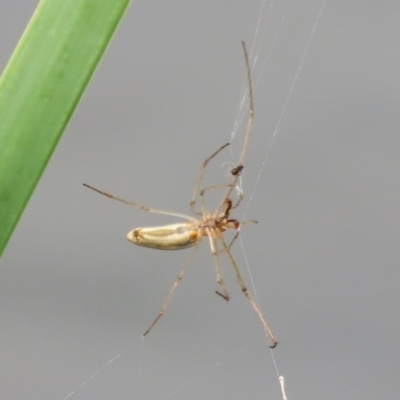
x,y
249,297
143,208
251,108
236,171
216,187
171,293
215,252
229,186
200,178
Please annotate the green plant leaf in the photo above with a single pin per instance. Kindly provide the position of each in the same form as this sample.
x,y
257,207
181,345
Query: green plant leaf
x,y
40,88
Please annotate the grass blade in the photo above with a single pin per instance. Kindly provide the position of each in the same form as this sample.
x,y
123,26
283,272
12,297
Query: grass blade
x,y
40,88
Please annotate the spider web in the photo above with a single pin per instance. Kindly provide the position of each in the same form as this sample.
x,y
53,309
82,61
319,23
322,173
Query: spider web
x,y
281,378
266,42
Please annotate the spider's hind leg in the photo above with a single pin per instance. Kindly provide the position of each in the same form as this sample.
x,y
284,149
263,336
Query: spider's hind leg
x,y
249,297
171,293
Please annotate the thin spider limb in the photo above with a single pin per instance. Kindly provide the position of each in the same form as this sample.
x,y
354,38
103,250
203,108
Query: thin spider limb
x,y
215,253
251,108
199,180
240,165
250,297
222,186
171,293
141,207
241,112
283,110
213,187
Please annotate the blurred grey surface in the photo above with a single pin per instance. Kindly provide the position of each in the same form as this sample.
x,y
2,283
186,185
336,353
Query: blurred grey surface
x,y
324,257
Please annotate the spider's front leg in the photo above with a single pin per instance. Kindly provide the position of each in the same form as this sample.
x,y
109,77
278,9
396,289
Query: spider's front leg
x,y
199,180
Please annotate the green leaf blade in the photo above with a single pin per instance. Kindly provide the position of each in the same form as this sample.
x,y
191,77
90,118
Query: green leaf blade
x,y
40,88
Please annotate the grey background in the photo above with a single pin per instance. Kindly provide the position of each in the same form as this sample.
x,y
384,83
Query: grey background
x,y
324,257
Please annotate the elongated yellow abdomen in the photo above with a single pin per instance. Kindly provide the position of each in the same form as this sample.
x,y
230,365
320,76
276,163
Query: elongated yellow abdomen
x,y
167,237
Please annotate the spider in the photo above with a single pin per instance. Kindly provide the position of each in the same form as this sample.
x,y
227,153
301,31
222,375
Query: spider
x,y
183,235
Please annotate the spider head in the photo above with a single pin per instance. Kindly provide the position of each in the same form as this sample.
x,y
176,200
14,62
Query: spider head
x,y
223,224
